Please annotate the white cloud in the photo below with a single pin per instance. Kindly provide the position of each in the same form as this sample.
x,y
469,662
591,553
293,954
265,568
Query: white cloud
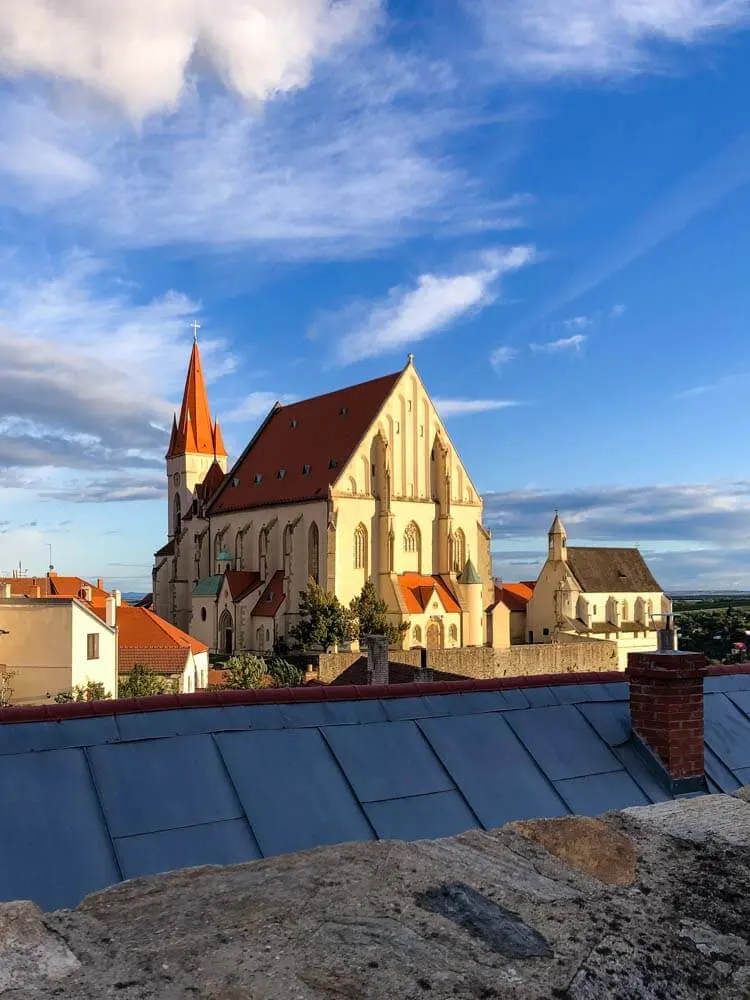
x,y
617,311
256,405
410,315
573,343
140,54
465,407
543,39
502,356
578,323
85,369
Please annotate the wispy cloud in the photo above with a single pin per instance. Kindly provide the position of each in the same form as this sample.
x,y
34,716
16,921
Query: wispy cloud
x,y
617,311
256,405
410,315
139,54
719,385
578,323
465,407
543,39
573,343
88,370
501,356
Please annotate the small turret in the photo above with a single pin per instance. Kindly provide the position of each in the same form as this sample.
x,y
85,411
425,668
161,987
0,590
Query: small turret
x,y
558,541
470,584
224,561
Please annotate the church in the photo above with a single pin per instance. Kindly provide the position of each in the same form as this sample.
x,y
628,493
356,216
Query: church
x,y
359,484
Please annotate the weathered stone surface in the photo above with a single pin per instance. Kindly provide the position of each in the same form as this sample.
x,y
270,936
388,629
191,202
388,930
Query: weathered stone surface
x,y
697,819
498,928
29,950
589,845
345,922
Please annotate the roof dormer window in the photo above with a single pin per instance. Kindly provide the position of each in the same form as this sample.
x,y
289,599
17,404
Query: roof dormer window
x,y
293,423
305,470
281,473
332,464
258,478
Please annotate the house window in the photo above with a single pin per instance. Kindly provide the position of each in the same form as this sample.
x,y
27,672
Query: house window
x,y
92,646
360,547
545,631
203,614
313,553
593,610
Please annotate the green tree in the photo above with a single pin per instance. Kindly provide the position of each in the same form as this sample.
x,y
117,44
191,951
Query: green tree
x,y
141,682
323,619
90,691
245,670
370,613
283,673
6,688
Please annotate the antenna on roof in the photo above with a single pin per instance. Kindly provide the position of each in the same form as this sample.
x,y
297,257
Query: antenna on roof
x,y
196,327
49,546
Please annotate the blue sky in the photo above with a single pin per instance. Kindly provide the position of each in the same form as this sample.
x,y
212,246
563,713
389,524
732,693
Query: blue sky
x,y
548,203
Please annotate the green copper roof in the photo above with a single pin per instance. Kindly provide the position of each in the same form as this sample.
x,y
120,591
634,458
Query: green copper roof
x,y
469,574
209,586
224,556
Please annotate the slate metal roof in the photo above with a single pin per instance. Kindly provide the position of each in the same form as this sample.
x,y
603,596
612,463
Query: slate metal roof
x,y
300,449
91,798
602,570
209,586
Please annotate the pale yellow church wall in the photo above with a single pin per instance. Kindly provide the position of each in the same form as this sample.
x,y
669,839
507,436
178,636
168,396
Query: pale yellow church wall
x,y
46,647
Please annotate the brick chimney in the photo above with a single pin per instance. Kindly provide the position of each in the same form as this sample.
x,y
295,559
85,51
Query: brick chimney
x,y
666,713
377,659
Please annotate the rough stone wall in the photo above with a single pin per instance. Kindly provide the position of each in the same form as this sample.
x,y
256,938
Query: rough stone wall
x,y
482,663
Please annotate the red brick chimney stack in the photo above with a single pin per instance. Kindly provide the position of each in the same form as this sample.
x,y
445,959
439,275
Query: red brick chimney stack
x,y
666,712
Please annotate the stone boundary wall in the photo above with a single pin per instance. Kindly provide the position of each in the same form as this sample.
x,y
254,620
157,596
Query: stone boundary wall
x,y
481,662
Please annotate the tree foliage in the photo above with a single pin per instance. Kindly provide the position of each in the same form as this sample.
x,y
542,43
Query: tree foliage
x,y
142,682
715,633
6,687
370,614
323,619
90,691
283,673
245,670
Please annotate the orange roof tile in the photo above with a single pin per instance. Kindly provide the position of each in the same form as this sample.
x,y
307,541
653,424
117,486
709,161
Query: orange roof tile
x,y
71,586
515,596
161,661
300,449
272,597
139,628
194,432
416,590
241,582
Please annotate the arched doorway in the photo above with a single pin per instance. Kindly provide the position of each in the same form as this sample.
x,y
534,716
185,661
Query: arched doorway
x,y
226,633
433,636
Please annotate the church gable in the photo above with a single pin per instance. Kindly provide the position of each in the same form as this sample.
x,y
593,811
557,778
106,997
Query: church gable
x,y
409,438
300,448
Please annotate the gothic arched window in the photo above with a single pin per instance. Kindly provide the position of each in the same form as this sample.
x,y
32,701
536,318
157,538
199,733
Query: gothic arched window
x,y
313,553
625,611
411,538
360,547
459,551
453,633
217,551
238,550
262,552
417,634
177,514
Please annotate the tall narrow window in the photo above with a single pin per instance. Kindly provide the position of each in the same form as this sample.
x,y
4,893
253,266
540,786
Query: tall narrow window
x,y
360,547
92,646
459,551
217,551
313,553
177,514
412,548
238,550
262,553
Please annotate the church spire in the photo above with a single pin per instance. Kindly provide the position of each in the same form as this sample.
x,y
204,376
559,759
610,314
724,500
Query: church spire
x,y
195,432
558,540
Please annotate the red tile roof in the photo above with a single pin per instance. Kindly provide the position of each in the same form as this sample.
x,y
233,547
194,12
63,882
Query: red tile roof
x,y
300,449
272,597
143,637
417,589
72,586
241,583
195,432
211,482
515,596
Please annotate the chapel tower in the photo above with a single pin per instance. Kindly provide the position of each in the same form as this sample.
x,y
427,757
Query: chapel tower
x,y
195,444
558,541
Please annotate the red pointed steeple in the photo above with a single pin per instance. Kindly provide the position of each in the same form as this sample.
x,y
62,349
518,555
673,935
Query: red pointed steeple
x,y
195,432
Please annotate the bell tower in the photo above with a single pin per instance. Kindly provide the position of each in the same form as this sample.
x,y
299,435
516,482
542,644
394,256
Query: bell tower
x,y
195,444
558,541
